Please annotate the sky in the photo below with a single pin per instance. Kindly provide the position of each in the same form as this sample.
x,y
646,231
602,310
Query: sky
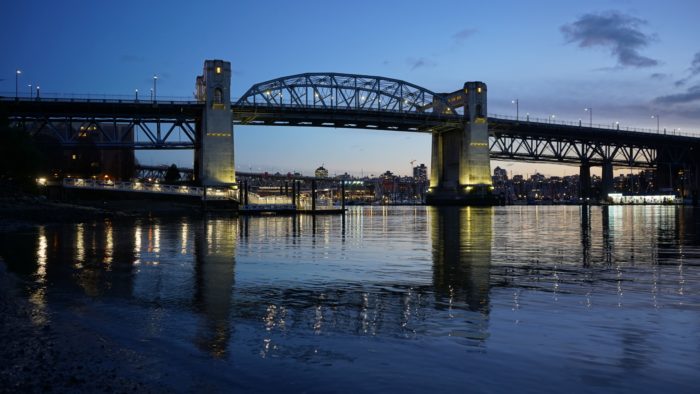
x,y
627,60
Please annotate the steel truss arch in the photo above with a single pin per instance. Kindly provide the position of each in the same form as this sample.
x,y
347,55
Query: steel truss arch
x,y
338,91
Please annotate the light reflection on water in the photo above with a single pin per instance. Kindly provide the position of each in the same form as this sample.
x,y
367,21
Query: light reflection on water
x,y
607,296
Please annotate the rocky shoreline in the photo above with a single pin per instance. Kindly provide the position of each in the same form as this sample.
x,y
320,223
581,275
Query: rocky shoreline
x,y
39,209
44,349
41,353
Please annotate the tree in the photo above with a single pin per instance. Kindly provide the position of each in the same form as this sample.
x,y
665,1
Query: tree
x,y
172,175
20,160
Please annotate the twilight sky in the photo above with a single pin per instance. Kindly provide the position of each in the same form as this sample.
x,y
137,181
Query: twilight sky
x,y
625,59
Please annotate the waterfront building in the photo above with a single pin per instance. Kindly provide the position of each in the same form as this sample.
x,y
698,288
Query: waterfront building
x,y
321,172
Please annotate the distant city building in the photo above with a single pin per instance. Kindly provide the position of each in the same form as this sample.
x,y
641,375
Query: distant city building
x,y
321,172
500,174
420,173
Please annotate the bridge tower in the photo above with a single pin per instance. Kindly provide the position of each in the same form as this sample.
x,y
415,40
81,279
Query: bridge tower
x,y
214,165
460,171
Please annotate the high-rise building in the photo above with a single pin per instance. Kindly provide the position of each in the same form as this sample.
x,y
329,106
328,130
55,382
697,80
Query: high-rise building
x,y
420,173
500,174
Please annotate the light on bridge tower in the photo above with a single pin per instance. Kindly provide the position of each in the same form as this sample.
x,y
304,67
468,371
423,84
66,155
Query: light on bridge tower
x,y
475,171
460,166
214,155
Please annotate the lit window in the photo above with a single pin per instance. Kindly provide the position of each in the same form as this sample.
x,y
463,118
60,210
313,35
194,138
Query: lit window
x,y
478,90
218,70
75,157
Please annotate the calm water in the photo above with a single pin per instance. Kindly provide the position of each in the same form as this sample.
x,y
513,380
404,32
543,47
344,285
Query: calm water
x,y
404,299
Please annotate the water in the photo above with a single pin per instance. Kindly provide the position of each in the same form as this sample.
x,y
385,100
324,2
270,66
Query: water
x,y
398,299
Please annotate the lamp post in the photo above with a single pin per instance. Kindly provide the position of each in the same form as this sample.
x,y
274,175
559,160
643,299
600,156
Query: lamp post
x,y
552,118
30,91
517,108
155,79
151,94
136,94
590,116
37,91
657,122
17,82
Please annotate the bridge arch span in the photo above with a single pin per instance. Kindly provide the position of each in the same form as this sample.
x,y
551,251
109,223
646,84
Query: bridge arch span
x,y
338,91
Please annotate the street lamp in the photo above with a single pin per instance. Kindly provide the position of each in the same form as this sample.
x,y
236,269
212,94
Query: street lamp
x,y
553,117
657,122
37,91
527,116
151,94
30,90
517,108
17,82
590,116
155,79
136,94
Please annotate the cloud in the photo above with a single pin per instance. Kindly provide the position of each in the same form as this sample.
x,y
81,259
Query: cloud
x,y
618,32
462,35
658,76
693,70
420,62
690,95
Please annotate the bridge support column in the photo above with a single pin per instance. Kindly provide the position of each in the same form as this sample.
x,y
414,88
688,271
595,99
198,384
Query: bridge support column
x,y
584,181
607,185
214,162
460,172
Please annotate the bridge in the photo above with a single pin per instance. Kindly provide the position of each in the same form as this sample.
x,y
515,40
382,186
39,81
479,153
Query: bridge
x,y
464,138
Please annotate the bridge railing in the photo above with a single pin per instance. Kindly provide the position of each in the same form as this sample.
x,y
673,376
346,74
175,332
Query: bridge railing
x,y
587,125
95,98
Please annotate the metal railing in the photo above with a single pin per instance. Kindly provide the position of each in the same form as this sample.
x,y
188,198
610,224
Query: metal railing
x,y
96,98
587,125
212,193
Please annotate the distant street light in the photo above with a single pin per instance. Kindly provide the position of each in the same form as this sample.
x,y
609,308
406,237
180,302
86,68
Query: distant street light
x,y
553,117
155,79
590,116
151,94
136,94
527,116
517,108
617,125
31,93
657,122
37,91
17,82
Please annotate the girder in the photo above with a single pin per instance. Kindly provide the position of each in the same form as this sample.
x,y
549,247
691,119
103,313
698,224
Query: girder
x,y
116,132
562,150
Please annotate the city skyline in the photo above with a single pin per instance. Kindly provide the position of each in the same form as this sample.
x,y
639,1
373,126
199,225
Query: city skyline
x,y
624,60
